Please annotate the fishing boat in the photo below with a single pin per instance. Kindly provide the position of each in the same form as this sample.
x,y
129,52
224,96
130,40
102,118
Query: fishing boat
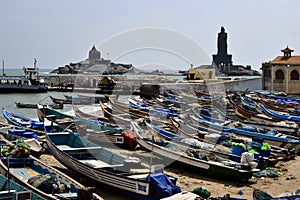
x,y
246,115
282,126
41,178
86,98
279,139
10,134
81,114
29,83
120,107
104,132
213,167
29,105
11,190
197,143
60,101
277,153
25,105
280,116
128,176
95,130
71,100
122,119
21,121
63,120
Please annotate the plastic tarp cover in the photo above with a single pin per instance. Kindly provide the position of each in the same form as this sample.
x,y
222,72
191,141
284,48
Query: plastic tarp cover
x,y
162,185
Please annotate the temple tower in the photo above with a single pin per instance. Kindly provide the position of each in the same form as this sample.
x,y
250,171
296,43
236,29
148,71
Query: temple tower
x,y
94,55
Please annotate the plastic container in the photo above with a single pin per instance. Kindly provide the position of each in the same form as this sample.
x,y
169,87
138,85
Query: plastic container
x,y
265,153
237,150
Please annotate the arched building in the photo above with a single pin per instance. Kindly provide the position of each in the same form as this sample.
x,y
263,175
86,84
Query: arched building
x,y
282,74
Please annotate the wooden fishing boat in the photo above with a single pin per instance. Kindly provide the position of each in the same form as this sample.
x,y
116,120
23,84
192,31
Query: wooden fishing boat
x,y
33,174
122,119
71,101
87,98
282,126
136,113
81,114
21,121
119,107
279,139
28,105
11,134
193,131
244,114
103,132
128,176
63,120
278,108
280,116
9,189
98,131
204,145
219,168
36,148
25,105
60,101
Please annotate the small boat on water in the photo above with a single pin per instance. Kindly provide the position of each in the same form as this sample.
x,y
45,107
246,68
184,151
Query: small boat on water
x,y
86,98
60,101
28,105
128,176
25,105
11,190
71,100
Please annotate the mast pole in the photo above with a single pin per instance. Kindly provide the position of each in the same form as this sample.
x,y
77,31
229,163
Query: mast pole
x,y
3,68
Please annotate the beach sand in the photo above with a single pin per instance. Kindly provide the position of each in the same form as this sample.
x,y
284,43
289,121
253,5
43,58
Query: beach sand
x,y
288,181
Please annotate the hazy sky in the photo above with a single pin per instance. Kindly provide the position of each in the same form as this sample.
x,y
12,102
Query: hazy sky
x,y
168,33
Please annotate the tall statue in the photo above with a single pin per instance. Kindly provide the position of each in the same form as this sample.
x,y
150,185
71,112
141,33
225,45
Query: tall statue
x,y
222,58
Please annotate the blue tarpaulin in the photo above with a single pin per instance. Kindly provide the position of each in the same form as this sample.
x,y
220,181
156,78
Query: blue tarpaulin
x,y
162,185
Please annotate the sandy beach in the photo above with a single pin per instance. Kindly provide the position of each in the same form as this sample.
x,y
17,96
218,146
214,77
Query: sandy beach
x,y
288,181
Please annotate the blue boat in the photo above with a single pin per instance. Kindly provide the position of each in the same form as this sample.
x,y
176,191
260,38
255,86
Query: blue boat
x,y
295,118
21,121
279,137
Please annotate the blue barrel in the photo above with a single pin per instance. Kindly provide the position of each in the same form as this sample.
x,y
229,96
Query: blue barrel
x,y
237,150
265,153
37,125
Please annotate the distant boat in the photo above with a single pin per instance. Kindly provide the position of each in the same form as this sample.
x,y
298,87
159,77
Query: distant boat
x,y
26,84
29,105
